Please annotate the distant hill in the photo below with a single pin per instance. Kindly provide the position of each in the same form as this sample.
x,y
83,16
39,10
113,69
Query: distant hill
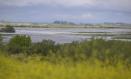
x,y
65,24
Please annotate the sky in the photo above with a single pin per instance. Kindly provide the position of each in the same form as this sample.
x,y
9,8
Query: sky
x,y
78,11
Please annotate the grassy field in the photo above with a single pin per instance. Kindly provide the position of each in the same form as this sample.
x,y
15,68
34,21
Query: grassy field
x,y
33,68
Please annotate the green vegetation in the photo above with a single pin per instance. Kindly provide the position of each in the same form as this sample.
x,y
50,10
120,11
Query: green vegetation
x,y
19,44
33,68
1,44
8,28
94,59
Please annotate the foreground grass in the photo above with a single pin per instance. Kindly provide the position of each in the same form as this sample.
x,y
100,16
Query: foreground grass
x,y
95,59
33,68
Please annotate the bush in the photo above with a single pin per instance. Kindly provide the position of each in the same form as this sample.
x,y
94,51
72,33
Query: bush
x,y
19,43
43,47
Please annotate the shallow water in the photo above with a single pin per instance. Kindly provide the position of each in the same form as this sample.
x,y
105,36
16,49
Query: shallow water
x,y
66,35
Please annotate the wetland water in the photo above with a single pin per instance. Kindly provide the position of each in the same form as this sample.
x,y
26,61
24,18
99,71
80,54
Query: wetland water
x,y
66,35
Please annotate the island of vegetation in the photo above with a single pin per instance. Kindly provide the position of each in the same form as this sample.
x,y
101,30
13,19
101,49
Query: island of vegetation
x,y
7,29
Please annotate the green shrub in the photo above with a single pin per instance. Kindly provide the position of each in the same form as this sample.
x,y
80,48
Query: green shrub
x,y
19,43
43,47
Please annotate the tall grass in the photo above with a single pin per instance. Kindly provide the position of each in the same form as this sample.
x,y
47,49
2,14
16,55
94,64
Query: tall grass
x,y
34,68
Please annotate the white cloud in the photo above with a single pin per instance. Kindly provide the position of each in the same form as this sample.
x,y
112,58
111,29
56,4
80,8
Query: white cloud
x,y
113,4
51,2
123,3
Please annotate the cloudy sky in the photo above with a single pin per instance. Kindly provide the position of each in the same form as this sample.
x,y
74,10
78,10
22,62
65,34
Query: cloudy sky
x,y
80,11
